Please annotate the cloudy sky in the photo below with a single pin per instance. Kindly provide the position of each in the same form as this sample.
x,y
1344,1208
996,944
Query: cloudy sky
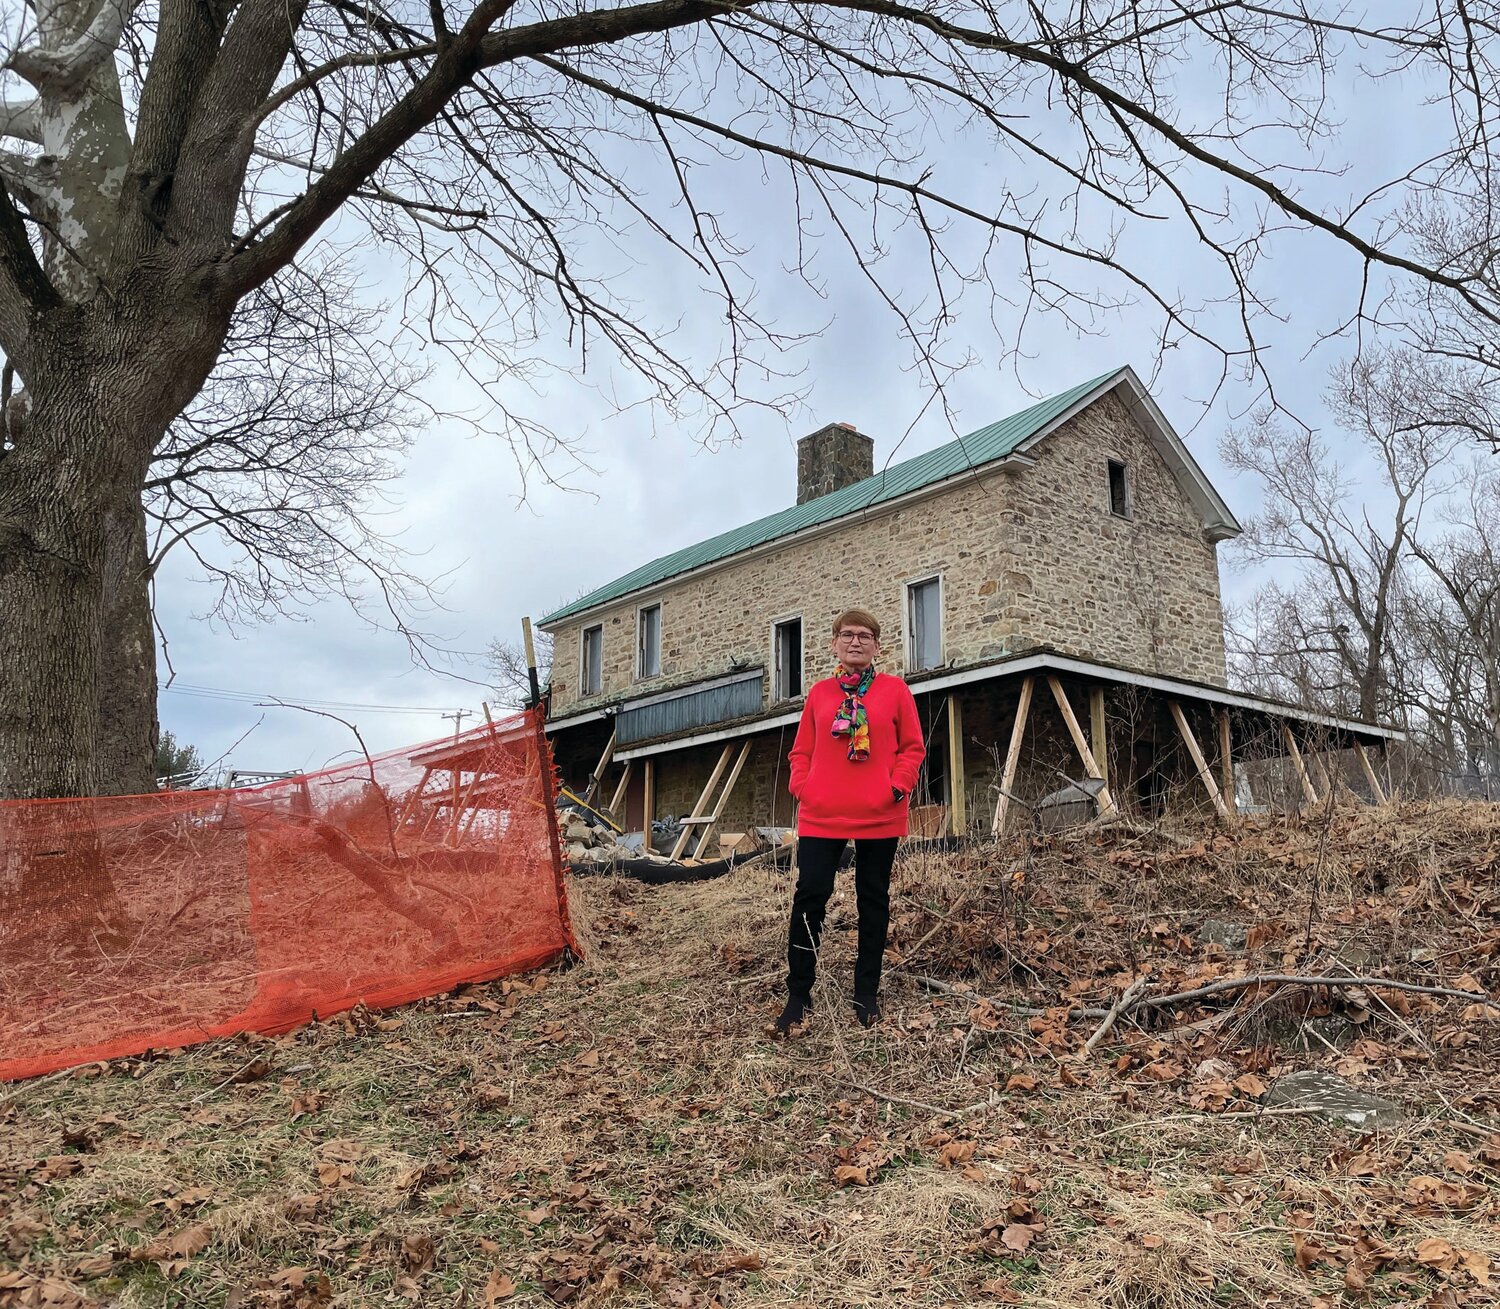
x,y
652,486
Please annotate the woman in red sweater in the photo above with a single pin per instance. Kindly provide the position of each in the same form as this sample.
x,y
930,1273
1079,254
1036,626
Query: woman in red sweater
x,y
854,765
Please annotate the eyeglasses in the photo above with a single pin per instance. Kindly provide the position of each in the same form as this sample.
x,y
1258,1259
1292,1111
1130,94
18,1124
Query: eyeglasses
x,y
858,638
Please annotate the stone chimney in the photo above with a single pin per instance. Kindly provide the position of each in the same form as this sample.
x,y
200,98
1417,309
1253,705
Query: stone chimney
x,y
831,458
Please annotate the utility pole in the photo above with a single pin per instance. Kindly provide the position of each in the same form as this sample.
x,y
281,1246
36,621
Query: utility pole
x,y
458,720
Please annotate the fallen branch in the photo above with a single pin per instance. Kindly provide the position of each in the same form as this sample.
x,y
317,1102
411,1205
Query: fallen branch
x,y
1220,987
1290,979
26,1089
1126,1000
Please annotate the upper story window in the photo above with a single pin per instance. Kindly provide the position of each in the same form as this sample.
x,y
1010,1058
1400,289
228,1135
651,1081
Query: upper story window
x,y
787,640
924,624
648,642
591,678
1119,488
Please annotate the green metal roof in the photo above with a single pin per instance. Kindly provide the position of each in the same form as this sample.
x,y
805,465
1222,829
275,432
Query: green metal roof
x,y
981,447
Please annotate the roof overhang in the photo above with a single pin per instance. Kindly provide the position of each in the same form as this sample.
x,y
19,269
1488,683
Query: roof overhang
x,y
1043,661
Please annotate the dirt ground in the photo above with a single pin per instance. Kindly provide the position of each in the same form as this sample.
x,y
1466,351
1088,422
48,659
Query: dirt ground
x,y
628,1131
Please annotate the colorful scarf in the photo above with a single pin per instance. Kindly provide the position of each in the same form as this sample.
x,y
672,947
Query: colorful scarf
x,y
852,720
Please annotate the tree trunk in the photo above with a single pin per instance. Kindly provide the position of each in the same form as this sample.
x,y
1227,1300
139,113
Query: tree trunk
x,y
52,548
128,726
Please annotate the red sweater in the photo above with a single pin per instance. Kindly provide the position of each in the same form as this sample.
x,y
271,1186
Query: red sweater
x,y
841,797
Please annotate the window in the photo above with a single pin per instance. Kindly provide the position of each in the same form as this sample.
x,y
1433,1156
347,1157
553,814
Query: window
x,y
592,679
787,639
924,624
648,642
1119,489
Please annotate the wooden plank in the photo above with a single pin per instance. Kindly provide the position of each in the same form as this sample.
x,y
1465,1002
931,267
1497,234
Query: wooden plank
x,y
713,781
1226,763
1199,762
1296,755
734,776
1364,762
648,800
614,804
1012,756
598,775
1098,731
1104,800
958,813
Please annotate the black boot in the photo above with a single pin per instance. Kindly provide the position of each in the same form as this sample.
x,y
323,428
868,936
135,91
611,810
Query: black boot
x,y
867,1010
794,1015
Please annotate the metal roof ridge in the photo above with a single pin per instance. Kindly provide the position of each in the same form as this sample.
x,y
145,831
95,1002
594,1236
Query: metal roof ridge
x,y
802,515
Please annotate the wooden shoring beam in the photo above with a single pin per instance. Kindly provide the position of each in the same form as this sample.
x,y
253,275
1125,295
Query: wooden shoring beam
x,y
1104,799
1199,762
605,760
458,824
1290,741
648,799
1364,762
1325,773
1098,731
1226,763
958,814
698,809
614,804
734,776
412,800
1012,756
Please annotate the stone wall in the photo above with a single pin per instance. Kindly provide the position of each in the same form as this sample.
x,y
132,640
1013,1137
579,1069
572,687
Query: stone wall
x,y
1028,556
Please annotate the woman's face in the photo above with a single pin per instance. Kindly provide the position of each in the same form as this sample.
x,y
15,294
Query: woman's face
x,y
856,647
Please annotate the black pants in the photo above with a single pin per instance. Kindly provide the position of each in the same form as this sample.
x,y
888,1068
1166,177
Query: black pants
x,y
817,862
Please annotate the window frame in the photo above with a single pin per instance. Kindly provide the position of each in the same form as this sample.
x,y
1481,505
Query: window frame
x,y
909,617
1127,508
584,665
776,625
641,675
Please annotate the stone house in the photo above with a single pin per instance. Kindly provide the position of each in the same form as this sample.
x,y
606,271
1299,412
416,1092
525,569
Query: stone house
x,y
1065,554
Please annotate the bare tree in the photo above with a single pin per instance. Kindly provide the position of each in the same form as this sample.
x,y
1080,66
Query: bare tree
x,y
1462,628
509,674
1326,632
272,481
168,160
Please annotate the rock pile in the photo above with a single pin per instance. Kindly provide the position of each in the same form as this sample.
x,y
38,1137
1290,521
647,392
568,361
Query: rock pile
x,y
587,842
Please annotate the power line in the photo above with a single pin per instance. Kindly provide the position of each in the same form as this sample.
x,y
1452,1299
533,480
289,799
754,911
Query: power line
x,y
260,697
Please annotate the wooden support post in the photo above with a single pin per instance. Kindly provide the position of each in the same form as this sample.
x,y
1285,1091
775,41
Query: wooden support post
x,y
457,826
1290,742
614,804
605,759
958,814
734,776
1199,762
648,799
1098,729
1324,772
698,809
1012,755
1364,762
1226,763
1104,800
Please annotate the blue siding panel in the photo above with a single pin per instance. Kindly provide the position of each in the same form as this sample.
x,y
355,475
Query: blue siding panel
x,y
693,709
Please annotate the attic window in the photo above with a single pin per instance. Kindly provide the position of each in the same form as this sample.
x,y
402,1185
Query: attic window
x,y
1119,489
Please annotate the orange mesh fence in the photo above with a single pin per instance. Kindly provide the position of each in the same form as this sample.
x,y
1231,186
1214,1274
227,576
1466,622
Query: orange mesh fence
x,y
156,921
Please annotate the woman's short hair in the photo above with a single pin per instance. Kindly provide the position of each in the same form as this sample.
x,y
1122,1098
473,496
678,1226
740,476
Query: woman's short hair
x,y
857,618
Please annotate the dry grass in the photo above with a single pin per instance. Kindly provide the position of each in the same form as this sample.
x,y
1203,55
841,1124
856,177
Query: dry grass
x,y
628,1132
